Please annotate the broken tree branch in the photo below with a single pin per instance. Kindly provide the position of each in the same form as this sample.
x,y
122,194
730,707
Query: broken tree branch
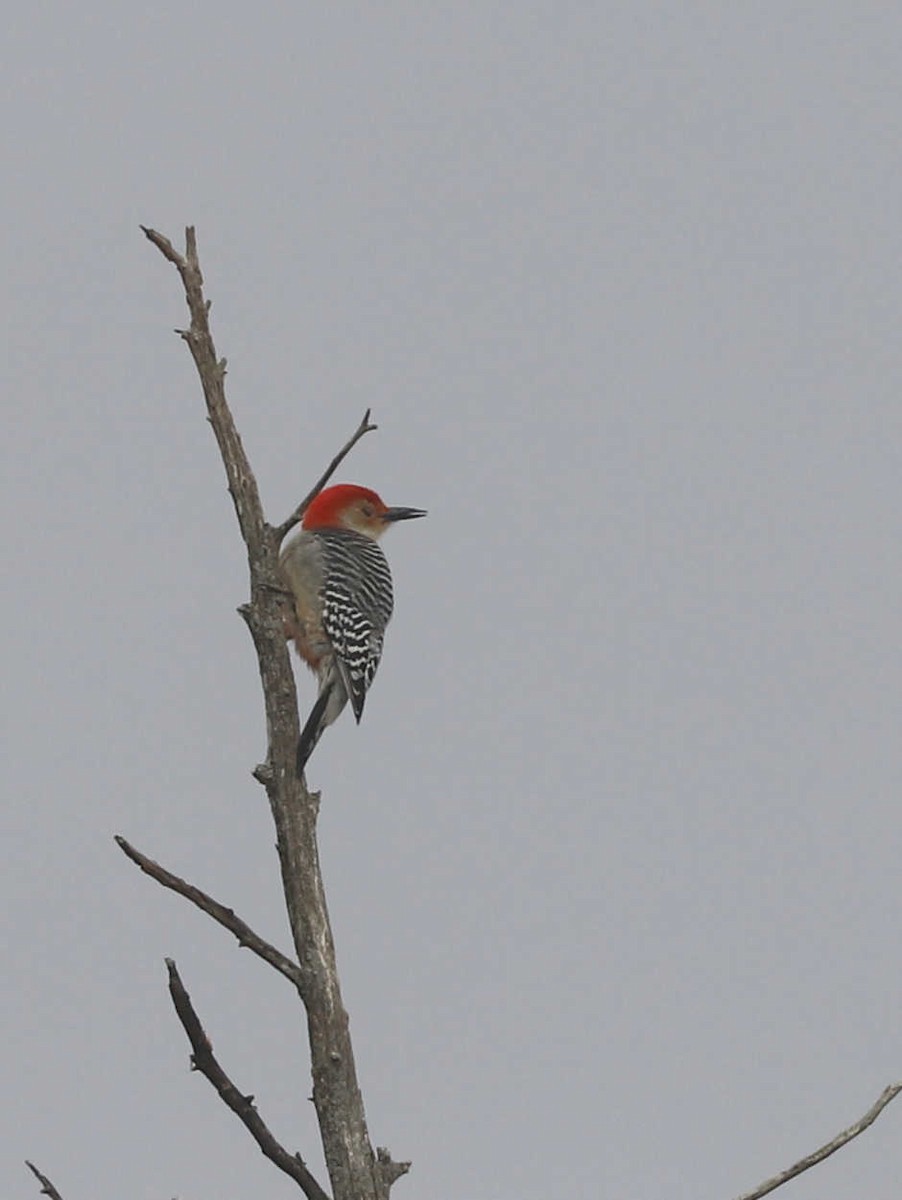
x,y
811,1160
204,1060
225,916
47,1188
212,372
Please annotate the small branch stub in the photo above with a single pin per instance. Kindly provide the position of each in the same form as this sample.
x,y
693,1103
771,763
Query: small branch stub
x,y
391,1170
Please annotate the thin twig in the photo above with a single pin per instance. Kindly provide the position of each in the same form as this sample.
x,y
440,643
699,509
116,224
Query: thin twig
x,y
47,1188
287,525
225,916
203,1060
811,1160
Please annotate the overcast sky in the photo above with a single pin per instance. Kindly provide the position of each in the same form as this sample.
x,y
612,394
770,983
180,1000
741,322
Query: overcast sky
x,y
613,861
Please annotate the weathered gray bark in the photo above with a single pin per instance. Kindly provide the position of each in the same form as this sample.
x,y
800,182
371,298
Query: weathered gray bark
x,y
355,1171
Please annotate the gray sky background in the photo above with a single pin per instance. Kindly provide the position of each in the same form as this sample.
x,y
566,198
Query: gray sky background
x,y
614,859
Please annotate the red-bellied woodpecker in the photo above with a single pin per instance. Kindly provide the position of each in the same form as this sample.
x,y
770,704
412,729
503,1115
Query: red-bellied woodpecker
x,y
343,601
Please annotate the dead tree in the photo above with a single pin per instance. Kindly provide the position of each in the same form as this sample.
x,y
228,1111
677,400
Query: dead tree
x,y
356,1170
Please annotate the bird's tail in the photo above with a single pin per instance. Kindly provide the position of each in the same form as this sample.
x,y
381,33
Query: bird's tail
x,y
313,729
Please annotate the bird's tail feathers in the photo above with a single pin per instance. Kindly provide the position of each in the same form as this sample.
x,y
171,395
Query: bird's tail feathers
x,y
313,729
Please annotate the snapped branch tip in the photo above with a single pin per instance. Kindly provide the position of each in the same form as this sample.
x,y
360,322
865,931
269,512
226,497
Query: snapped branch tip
x,y
125,846
47,1188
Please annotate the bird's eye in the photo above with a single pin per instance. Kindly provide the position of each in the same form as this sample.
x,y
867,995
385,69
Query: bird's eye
x,y
367,510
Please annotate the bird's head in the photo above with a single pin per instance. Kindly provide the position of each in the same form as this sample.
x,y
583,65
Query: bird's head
x,y
349,506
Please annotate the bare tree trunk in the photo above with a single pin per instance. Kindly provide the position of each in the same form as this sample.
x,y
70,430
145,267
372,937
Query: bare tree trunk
x,y
356,1172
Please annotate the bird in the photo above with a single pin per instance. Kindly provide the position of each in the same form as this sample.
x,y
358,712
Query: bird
x,y
341,599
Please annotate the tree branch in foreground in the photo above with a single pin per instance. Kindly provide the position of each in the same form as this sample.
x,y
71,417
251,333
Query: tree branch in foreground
x,y
355,1170
47,1188
804,1164
203,1060
225,916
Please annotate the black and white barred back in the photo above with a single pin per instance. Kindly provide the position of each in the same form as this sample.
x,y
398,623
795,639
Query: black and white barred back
x,y
357,605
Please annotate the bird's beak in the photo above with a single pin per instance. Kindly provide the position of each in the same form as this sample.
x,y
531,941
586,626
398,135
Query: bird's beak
x,y
402,514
